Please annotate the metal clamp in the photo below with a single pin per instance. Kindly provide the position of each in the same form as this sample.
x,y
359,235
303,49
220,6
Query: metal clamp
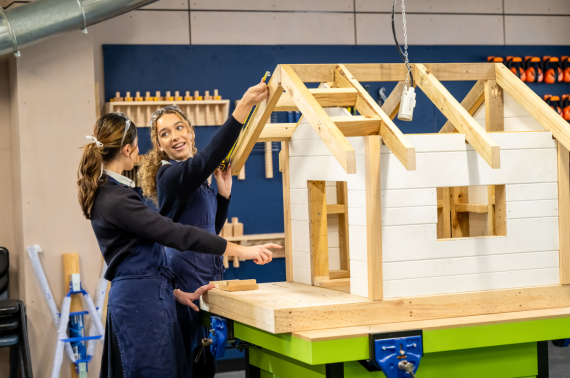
x,y
397,354
12,34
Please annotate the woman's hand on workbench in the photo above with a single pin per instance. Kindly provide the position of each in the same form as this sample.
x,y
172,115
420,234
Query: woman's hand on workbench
x,y
188,298
260,254
224,181
253,96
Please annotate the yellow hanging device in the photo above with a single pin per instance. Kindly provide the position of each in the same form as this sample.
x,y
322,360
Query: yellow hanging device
x,y
227,161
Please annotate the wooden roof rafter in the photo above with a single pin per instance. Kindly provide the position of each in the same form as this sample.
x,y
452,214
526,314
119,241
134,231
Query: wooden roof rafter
x,y
391,134
487,148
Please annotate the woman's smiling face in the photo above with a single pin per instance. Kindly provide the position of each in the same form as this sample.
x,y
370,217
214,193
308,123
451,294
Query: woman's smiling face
x,y
174,137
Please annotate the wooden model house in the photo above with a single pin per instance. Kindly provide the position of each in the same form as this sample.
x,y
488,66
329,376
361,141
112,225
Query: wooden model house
x,y
472,220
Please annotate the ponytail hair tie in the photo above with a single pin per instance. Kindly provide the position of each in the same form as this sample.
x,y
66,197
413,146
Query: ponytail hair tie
x,y
94,140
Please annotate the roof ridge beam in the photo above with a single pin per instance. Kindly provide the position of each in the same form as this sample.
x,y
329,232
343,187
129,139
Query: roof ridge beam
x,y
391,134
459,117
333,138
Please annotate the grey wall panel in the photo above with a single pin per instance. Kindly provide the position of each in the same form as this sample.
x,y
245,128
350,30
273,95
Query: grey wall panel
x,y
433,6
268,28
555,7
274,5
537,30
376,29
169,5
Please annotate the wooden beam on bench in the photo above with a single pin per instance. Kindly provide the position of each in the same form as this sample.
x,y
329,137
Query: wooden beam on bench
x,y
459,117
391,135
250,135
471,103
326,97
319,119
277,132
533,104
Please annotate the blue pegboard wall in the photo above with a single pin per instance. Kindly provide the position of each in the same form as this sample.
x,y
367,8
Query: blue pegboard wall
x,y
257,201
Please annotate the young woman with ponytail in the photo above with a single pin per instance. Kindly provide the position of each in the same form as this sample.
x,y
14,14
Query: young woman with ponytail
x,y
142,338
174,175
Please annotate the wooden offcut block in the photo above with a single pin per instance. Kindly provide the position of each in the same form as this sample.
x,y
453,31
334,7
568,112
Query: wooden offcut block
x,y
236,285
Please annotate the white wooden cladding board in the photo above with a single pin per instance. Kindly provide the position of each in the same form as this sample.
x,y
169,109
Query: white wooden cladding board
x,y
532,192
517,31
468,265
300,236
471,282
419,242
302,275
530,209
275,5
438,169
359,286
396,216
430,29
271,28
396,198
433,6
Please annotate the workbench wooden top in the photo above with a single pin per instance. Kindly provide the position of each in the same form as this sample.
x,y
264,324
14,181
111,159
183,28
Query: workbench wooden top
x,y
285,307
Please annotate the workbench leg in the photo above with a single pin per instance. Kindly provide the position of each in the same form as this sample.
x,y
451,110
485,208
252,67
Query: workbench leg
x,y
542,359
335,370
250,370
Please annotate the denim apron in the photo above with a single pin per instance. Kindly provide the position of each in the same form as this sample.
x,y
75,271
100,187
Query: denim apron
x,y
196,269
142,318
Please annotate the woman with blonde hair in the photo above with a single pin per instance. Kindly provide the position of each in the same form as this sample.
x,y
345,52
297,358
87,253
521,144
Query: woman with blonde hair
x,y
174,175
142,336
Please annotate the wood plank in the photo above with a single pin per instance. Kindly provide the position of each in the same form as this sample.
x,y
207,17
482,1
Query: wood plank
x,y
373,217
277,132
71,266
318,230
319,120
494,109
461,119
447,193
500,201
259,118
334,283
343,234
564,212
302,307
336,209
270,236
336,274
479,208
471,103
326,97
370,72
436,324
533,104
286,183
391,135
459,220
357,125
392,104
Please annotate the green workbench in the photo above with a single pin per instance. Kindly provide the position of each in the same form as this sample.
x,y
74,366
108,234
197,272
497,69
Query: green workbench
x,y
507,350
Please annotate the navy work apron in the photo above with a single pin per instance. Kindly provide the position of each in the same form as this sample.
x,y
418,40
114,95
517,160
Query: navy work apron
x,y
142,319
196,269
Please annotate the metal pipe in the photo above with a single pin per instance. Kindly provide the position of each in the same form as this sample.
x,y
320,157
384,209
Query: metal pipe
x,y
42,19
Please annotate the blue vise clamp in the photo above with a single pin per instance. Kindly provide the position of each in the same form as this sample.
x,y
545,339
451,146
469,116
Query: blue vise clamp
x,y
396,354
219,335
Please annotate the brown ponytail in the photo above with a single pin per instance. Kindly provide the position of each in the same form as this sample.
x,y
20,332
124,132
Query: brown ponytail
x,y
153,160
108,131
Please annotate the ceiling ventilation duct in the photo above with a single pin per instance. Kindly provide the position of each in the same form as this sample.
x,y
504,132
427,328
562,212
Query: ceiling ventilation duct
x,y
42,19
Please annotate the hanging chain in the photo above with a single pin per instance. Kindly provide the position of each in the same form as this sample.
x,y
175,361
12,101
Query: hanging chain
x,y
406,46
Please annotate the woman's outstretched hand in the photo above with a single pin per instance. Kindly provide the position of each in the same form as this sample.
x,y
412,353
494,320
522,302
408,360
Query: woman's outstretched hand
x,y
253,96
224,181
187,298
260,254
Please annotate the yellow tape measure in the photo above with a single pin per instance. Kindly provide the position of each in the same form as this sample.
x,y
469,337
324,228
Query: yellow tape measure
x,y
227,161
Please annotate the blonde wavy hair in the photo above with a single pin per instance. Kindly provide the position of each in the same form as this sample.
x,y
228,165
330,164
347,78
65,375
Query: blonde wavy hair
x,y
153,160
